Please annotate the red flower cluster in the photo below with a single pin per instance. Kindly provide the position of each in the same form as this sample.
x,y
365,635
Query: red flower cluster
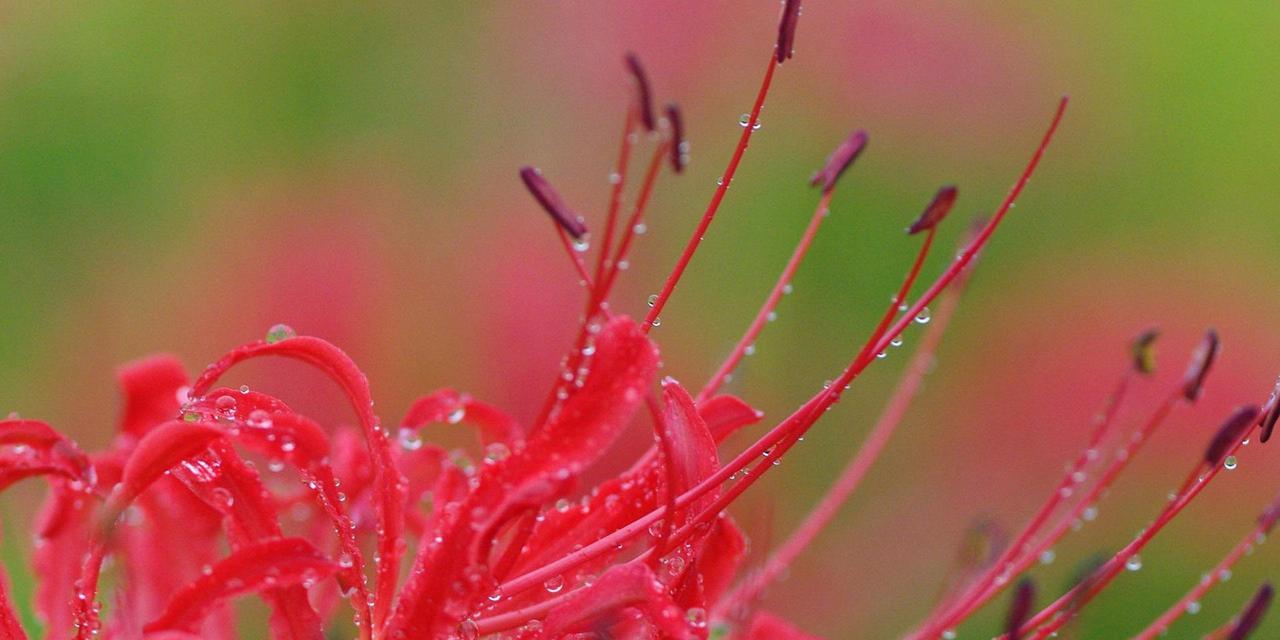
x,y
509,545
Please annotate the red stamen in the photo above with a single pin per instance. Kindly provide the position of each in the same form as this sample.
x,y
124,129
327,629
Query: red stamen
x,y
851,477
1200,365
1053,617
1023,597
787,30
552,203
644,99
798,422
1160,625
1143,349
840,159
683,262
771,302
936,211
679,146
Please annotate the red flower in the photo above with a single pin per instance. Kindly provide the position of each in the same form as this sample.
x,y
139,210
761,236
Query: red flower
x,y
507,544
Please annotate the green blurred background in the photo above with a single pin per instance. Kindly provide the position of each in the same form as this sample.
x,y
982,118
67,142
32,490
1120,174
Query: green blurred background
x,y
180,179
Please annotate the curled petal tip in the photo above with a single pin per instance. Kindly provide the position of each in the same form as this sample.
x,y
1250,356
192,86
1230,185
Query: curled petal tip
x,y
552,202
787,29
1201,361
936,211
679,146
1232,429
1144,353
643,94
839,160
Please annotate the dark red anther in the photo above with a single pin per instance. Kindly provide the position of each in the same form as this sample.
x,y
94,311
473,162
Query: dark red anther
x,y
936,211
643,94
1253,612
1143,350
787,29
1020,608
679,147
1201,361
552,203
839,160
1230,433
1268,422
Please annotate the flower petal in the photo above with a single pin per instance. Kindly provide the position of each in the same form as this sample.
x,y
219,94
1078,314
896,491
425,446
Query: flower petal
x,y
389,485
267,564
725,414
605,603
766,626
449,406
150,387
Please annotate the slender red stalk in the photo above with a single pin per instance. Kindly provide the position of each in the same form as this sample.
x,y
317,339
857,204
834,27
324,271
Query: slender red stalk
x,y
1161,625
618,179
1053,617
1017,558
683,262
799,421
851,477
597,292
637,215
575,257
771,302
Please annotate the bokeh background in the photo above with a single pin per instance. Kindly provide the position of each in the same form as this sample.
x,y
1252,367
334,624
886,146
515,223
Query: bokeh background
x,y
179,179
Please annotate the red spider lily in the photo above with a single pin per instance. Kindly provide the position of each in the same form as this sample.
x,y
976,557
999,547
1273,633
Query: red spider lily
x,y
510,545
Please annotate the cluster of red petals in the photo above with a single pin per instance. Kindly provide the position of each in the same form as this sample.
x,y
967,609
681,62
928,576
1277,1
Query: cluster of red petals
x,y
211,492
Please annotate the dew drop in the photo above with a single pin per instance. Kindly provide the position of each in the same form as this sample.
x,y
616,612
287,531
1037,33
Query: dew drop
x,y
652,300
456,415
640,228
1134,563
280,332
697,617
744,120
1229,463
468,630
1193,607
923,317
409,439
554,584
1048,556
657,322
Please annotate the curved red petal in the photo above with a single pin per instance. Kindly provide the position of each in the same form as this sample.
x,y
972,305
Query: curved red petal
x,y
725,414
261,565
150,387
449,406
605,603
766,626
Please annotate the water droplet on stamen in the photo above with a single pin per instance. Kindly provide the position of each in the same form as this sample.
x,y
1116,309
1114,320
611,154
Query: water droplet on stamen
x,y
1134,563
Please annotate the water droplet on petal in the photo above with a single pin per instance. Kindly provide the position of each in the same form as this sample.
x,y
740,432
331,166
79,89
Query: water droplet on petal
x,y
280,332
